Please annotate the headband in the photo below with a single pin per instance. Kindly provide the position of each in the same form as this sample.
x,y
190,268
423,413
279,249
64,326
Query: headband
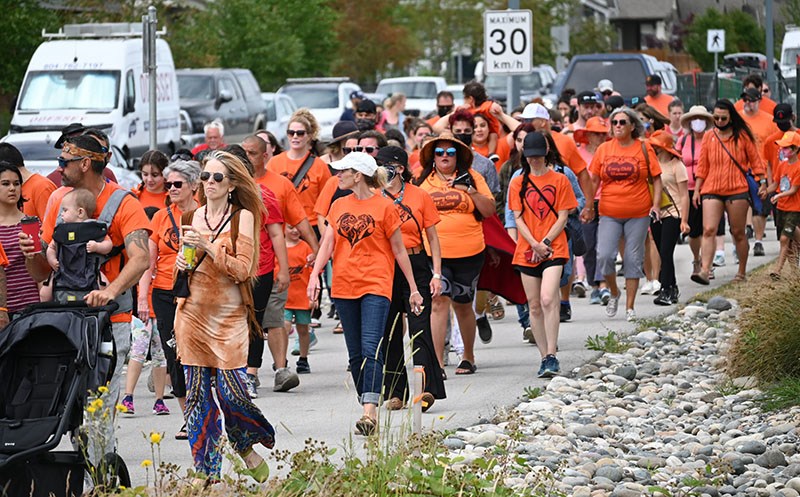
x,y
73,149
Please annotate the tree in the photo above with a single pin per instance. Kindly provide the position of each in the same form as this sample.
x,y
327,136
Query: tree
x,y
590,36
22,33
742,34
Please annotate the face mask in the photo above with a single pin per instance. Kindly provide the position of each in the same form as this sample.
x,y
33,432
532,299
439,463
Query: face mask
x,y
785,126
365,124
466,139
443,110
723,127
698,125
391,172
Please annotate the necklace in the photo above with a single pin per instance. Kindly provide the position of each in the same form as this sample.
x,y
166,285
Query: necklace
x,y
399,198
221,219
445,178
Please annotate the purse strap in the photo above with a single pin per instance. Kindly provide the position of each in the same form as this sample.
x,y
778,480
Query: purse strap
x,y
174,224
735,162
650,179
190,215
303,170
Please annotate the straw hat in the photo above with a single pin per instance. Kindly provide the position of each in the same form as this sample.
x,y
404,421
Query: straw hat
x,y
697,112
593,125
665,141
463,152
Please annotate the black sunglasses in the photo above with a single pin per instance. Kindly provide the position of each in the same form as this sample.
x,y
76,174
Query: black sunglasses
x,y
176,184
180,157
368,150
218,177
621,122
348,150
296,132
62,162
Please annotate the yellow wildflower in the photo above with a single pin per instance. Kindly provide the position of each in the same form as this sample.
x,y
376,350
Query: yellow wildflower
x,y
155,437
146,463
121,408
98,403
102,389
91,409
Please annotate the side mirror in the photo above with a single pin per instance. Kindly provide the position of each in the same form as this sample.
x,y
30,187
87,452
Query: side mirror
x,y
224,96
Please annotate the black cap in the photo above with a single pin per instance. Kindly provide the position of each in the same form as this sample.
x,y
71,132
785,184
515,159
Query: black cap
x,y
366,105
69,131
751,93
535,145
782,113
356,94
614,102
637,100
392,155
342,129
587,97
653,79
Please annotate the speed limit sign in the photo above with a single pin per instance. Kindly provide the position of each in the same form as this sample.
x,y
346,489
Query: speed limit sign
x,y
508,46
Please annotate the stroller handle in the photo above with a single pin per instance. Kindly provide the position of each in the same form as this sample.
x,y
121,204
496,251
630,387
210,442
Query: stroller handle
x,y
110,308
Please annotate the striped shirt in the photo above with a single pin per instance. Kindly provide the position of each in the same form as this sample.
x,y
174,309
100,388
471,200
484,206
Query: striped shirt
x,y
720,174
21,290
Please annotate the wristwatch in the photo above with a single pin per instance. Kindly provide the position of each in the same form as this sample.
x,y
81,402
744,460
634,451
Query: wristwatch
x,y
762,181
547,242
436,276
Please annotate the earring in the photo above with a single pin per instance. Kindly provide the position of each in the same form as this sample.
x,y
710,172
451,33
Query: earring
x,y
230,196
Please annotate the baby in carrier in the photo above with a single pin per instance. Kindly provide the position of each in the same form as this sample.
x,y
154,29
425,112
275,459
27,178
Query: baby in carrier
x,y
80,245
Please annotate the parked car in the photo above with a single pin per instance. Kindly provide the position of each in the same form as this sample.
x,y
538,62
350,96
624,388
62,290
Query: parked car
x,y
420,92
37,148
326,98
536,83
280,108
230,95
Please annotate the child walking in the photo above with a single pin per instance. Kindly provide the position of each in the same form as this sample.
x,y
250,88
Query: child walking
x,y
298,307
786,182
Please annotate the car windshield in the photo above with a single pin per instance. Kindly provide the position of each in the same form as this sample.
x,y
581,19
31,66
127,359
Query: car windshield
x,y
530,81
790,56
627,75
199,87
411,89
37,150
313,97
84,90
271,114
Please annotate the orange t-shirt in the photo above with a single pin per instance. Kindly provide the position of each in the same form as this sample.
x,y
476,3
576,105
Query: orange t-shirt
x,y
661,102
503,152
484,108
623,177
149,199
765,105
168,243
129,218
299,274
420,203
720,174
36,191
771,150
762,127
323,204
362,251
786,176
413,162
460,234
312,182
291,208
537,215
569,153
3,256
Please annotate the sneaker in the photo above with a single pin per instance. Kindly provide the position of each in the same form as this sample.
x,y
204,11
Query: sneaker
x,y
579,289
675,295
540,373
315,323
484,329
719,259
285,380
630,315
296,348
160,409
314,341
749,231
611,307
250,384
565,314
302,366
647,288
527,335
551,366
127,403
664,297
594,298
605,296
758,249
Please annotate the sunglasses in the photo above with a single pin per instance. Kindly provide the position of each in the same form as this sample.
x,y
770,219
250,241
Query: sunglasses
x,y
368,150
348,150
608,93
296,132
62,162
176,184
439,152
180,157
765,90
621,122
721,119
218,177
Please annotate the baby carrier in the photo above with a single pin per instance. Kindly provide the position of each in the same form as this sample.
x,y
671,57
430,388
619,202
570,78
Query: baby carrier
x,y
79,271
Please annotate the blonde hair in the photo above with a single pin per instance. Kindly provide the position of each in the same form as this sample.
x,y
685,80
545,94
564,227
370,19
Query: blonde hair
x,y
246,195
307,119
84,199
377,180
395,99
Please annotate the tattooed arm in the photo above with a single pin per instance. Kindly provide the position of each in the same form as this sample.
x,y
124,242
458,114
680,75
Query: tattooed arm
x,y
138,250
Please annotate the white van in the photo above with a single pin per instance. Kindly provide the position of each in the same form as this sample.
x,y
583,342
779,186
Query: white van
x,y
790,50
92,74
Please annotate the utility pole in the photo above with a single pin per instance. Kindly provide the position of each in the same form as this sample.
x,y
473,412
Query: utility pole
x,y
770,28
149,65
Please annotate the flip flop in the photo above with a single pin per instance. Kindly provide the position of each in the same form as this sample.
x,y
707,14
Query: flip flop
x,y
466,367
182,433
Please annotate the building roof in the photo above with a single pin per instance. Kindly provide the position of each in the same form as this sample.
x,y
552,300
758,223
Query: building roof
x,y
631,10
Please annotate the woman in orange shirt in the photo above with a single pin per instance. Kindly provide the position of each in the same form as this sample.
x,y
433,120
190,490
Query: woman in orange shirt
x,y
480,142
541,199
721,185
363,236
151,191
463,199
623,166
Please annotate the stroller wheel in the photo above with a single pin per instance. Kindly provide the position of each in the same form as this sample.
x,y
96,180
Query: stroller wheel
x,y
115,472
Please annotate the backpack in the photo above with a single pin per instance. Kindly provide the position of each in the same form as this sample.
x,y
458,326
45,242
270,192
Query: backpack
x,y
78,273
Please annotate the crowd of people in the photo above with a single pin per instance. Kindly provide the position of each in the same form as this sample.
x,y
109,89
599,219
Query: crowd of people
x,y
417,229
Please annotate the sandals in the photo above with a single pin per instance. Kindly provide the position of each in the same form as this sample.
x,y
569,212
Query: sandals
x,y
366,426
701,278
496,308
395,404
466,367
740,278
338,329
427,399
182,433
775,276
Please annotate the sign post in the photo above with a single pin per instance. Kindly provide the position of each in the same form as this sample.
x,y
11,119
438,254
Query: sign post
x,y
715,43
508,44
149,28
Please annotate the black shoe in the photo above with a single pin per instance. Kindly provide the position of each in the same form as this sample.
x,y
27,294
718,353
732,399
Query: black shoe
x,y
332,311
664,297
749,231
758,249
484,329
302,366
566,312
675,295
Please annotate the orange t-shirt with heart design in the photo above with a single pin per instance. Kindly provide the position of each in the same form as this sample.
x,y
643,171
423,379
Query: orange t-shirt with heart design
x,y
311,184
362,251
536,213
623,173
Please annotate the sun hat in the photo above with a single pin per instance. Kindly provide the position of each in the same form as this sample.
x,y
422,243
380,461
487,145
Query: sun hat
x,y
595,124
463,152
535,145
342,131
664,140
790,139
696,112
535,111
359,161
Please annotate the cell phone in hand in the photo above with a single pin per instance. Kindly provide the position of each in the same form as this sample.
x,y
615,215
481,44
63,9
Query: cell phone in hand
x,y
465,179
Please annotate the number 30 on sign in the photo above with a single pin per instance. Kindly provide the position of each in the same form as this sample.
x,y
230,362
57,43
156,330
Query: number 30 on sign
x,y
507,41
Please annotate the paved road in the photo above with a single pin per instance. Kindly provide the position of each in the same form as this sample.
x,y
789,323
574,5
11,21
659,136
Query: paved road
x,y
324,406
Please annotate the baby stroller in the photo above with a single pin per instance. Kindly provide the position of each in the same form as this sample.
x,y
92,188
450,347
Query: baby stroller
x,y
51,357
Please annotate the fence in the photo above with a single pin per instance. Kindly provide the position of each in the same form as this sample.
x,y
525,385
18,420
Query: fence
x,y
705,88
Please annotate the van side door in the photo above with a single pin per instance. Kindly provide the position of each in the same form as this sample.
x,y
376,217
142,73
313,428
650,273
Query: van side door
x,y
231,109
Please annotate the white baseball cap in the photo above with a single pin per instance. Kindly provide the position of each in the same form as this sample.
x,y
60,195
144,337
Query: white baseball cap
x,y
605,85
359,161
535,111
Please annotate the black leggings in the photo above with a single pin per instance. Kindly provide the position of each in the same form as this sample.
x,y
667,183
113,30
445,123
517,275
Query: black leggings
x,y
164,307
261,293
666,234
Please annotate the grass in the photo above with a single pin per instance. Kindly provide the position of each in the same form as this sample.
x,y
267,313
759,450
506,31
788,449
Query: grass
x,y
612,343
781,395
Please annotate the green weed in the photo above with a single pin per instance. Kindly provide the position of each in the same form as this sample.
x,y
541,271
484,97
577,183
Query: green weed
x,y
781,395
612,343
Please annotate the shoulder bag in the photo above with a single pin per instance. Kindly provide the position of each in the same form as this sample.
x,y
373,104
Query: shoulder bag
x,y
304,168
752,184
666,198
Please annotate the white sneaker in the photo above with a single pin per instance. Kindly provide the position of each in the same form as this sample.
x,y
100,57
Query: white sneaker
x,y
719,259
611,307
656,287
647,288
630,315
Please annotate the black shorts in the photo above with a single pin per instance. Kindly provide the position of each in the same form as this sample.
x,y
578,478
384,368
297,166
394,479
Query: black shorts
x,y
460,277
788,222
695,218
726,198
538,271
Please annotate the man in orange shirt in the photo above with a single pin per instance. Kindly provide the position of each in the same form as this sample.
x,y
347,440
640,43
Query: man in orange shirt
x,y
444,106
654,97
755,82
762,126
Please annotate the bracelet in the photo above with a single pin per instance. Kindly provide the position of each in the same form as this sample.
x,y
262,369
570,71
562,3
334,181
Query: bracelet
x,y
412,294
436,276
